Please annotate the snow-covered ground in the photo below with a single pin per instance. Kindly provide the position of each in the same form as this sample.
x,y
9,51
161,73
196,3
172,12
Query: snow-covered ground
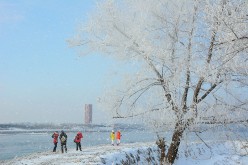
x,y
218,153
227,153
103,154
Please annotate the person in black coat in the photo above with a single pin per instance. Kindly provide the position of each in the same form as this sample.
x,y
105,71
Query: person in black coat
x,y
63,139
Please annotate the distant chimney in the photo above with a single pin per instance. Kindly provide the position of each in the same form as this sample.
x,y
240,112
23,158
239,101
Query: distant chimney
x,y
88,114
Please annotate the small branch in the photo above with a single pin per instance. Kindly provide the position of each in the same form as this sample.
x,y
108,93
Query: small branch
x,y
139,114
207,93
203,141
197,89
143,89
233,40
142,92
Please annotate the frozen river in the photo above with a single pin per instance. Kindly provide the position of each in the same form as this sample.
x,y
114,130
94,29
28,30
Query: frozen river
x,y
20,144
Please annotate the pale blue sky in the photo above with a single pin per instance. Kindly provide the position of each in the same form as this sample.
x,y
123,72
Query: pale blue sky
x,y
41,78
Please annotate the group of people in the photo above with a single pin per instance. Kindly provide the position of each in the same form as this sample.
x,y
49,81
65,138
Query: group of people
x,y
116,136
63,139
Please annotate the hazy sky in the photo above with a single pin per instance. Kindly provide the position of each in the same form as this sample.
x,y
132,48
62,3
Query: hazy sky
x,y
42,79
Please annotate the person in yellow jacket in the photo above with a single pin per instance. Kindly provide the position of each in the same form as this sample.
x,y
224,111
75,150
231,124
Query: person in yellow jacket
x,y
112,137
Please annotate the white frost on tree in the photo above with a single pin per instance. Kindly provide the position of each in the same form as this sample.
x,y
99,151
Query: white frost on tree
x,y
189,60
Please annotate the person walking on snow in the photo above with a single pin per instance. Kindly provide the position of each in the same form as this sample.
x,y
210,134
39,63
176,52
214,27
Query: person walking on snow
x,y
112,137
63,139
77,140
118,137
55,140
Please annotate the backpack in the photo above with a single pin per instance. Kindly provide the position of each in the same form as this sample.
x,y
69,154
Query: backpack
x,y
75,139
63,139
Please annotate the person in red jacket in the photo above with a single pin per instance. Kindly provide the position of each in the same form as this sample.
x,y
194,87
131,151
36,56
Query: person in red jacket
x,y
55,140
118,137
77,140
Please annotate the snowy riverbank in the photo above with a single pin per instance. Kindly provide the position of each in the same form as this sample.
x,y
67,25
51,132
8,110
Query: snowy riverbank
x,y
227,153
103,154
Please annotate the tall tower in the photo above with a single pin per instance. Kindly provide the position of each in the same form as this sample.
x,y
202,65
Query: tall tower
x,y
88,114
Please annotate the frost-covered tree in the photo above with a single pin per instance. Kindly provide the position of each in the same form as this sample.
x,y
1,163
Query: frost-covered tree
x,y
189,59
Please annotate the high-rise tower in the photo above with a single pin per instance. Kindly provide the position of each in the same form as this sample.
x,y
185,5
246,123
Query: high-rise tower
x,y
88,114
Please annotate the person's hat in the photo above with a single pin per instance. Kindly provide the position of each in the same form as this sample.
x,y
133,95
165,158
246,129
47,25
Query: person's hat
x,y
113,131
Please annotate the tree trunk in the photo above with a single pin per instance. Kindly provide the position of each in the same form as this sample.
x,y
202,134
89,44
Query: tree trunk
x,y
161,145
176,139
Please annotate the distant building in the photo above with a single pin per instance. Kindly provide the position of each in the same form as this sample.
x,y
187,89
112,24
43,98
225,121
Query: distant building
x,y
88,114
